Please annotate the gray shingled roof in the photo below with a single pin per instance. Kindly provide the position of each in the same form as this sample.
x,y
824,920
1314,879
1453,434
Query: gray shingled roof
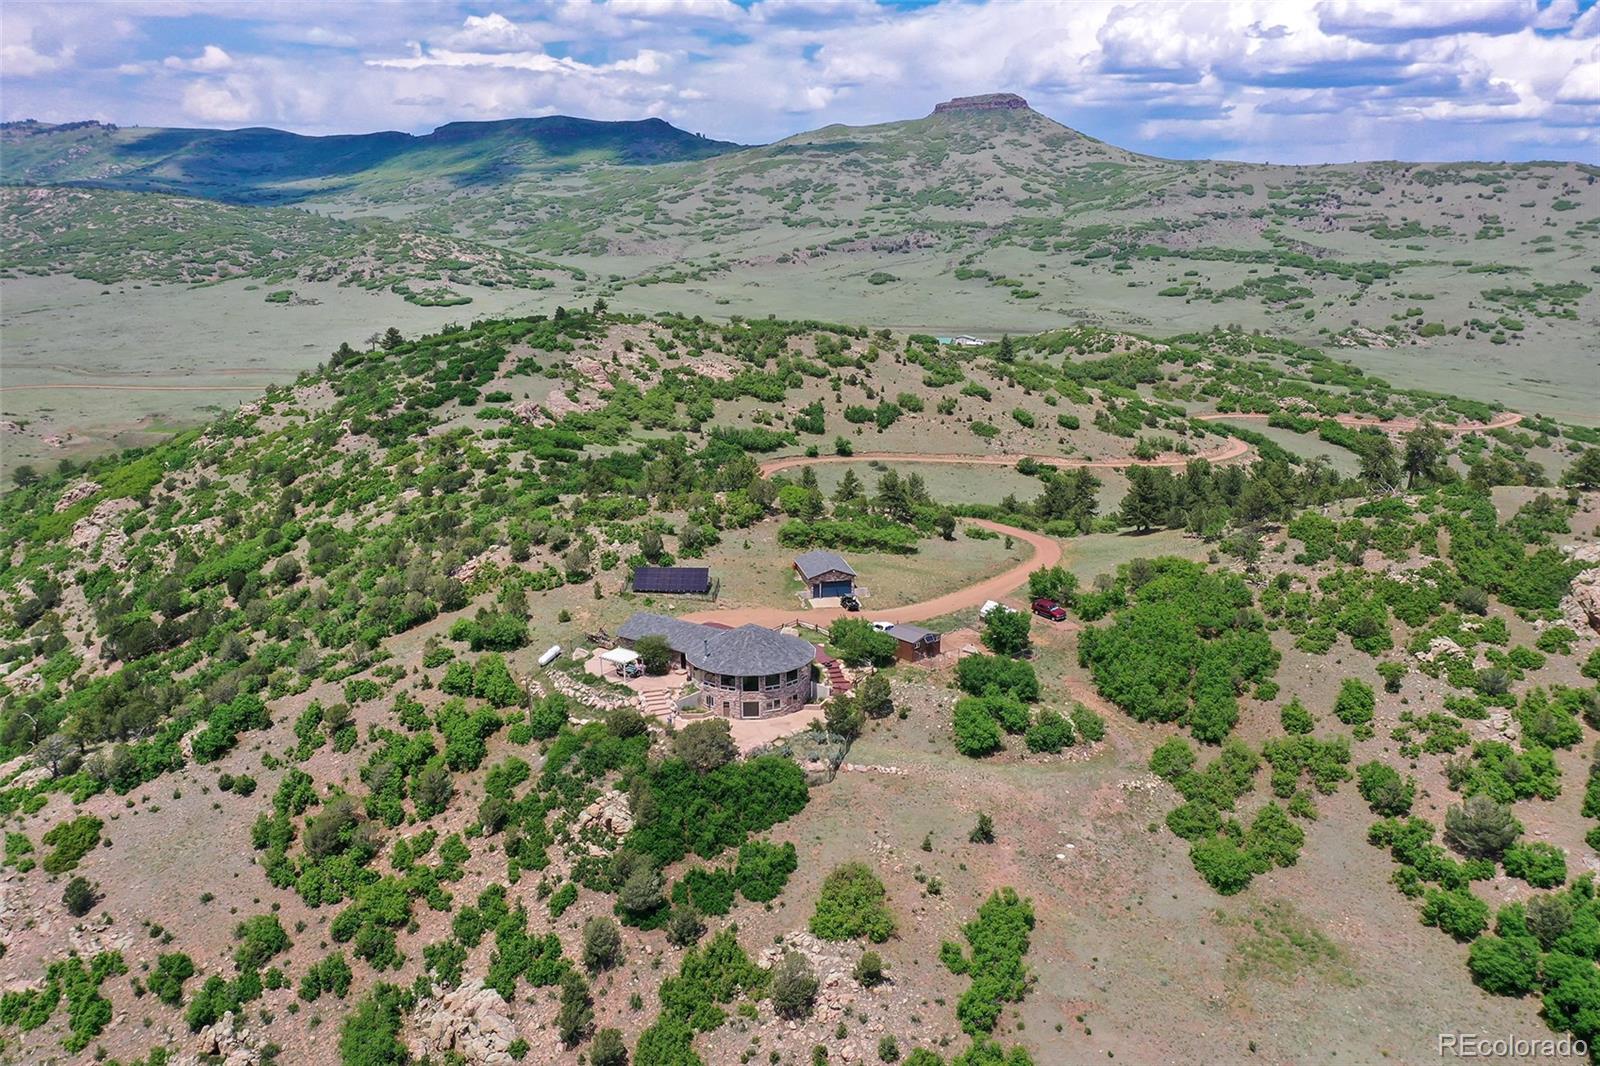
x,y
910,634
751,650
817,562
680,635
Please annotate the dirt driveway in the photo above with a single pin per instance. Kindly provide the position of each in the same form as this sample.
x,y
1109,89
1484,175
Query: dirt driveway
x,y
1046,552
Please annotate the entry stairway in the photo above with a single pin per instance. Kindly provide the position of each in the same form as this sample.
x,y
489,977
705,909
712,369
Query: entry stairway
x,y
657,702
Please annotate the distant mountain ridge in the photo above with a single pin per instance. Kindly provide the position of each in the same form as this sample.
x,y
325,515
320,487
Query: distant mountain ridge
x,y
261,165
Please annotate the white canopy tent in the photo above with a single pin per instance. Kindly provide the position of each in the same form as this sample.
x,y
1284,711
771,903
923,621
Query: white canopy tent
x,y
619,657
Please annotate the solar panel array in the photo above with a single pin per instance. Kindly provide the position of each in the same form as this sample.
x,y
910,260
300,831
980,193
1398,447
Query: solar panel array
x,y
682,579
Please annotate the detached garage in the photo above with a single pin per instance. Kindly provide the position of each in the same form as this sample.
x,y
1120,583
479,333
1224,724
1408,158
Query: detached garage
x,y
913,643
825,574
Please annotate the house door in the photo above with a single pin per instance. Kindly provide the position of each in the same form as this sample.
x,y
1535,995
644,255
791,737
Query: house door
x,y
834,588
751,709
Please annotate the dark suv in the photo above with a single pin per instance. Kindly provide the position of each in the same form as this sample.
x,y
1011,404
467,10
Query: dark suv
x,y
1047,608
850,603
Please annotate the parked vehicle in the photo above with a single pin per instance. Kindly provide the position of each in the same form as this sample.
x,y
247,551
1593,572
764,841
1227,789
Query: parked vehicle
x,y
850,603
1048,608
883,627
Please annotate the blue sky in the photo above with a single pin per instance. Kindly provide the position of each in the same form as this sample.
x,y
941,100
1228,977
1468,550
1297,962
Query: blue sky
x,y
1277,80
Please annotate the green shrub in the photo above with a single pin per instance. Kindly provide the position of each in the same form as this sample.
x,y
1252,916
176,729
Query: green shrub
x,y
1455,911
976,732
997,940
1504,967
370,1035
261,938
167,979
71,841
977,674
1051,732
763,869
1355,703
859,644
1173,758
79,897
852,905
1386,792
1295,718
1541,865
332,974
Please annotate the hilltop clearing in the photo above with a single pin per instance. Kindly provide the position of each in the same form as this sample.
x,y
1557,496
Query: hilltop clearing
x,y
317,731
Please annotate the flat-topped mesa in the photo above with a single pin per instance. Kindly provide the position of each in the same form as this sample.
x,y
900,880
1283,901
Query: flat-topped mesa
x,y
986,102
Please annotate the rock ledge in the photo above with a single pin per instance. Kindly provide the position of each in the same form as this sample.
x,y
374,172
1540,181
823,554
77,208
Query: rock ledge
x,y
986,102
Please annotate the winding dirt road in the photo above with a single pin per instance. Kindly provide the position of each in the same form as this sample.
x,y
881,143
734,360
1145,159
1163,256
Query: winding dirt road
x,y
1233,449
1046,552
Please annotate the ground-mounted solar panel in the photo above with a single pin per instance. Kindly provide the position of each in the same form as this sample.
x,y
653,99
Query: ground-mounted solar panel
x,y
686,580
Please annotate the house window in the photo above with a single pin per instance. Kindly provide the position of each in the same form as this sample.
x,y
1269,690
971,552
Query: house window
x,y
770,681
752,684
791,675
728,681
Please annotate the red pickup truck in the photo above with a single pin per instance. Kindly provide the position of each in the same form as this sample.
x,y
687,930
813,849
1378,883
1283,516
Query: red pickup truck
x,y
1047,608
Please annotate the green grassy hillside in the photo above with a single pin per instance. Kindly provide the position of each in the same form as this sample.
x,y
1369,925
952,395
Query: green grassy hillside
x,y
1472,277
107,236
265,166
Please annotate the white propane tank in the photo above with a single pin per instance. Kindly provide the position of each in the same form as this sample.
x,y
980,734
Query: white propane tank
x,y
550,656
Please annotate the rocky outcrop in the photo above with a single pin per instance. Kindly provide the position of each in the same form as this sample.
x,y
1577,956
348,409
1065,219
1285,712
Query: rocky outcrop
x,y
1439,647
986,102
103,525
1581,605
532,412
472,1021
469,569
224,1044
610,813
81,491
601,700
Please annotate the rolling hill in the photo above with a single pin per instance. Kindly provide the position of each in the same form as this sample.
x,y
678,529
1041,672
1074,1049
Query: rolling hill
x,y
982,217
268,166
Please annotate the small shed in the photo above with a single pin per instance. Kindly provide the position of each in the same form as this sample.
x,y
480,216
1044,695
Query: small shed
x,y
913,643
825,573
680,580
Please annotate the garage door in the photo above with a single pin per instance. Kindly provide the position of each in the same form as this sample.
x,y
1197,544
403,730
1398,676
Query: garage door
x,y
835,588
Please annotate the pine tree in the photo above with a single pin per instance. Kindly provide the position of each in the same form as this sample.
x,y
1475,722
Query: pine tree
x,y
1145,505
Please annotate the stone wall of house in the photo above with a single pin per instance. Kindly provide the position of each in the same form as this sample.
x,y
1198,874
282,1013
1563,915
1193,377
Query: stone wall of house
x,y
784,698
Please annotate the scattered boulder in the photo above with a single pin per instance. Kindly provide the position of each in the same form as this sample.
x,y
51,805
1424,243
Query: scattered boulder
x,y
1581,606
472,1021
81,491
227,1043
1440,647
610,812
